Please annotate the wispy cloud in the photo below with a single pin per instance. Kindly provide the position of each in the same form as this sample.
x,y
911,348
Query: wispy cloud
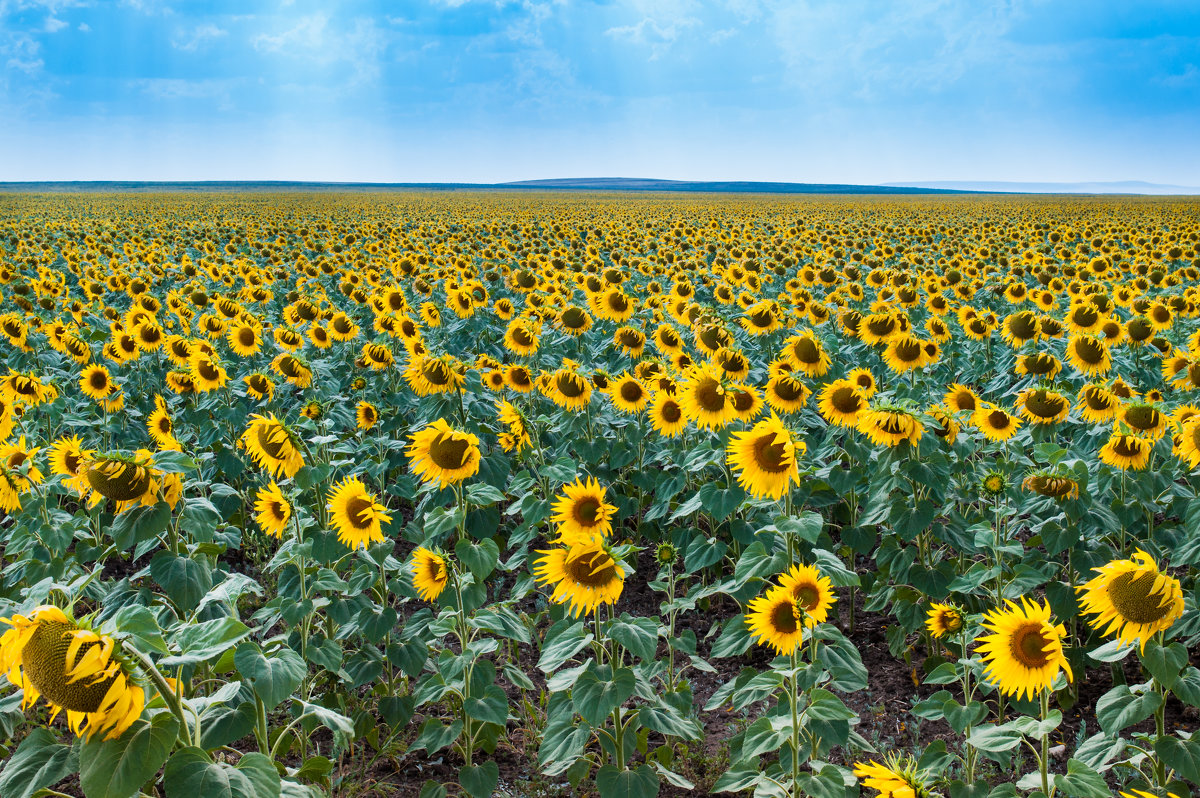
x,y
314,38
198,37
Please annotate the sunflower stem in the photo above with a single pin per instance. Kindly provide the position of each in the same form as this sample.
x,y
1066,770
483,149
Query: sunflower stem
x,y
168,695
793,699
1044,759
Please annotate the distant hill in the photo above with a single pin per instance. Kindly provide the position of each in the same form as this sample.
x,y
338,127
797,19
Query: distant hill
x,y
1112,187
560,184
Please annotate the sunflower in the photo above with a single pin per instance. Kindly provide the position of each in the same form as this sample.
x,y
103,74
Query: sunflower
x,y
244,339
764,458
629,341
995,423
841,402
518,378
943,619
1052,484
355,514
293,369
947,427
272,510
581,512
430,573
668,419
890,425
1097,404
865,380
1024,652
1043,405
896,779
628,394
207,373
73,668
366,415
443,455
1132,598
568,389
161,427
516,434
1127,452
1089,354
786,394
259,386
432,375
128,481
775,620
704,399
520,338
1020,328
1038,364
96,382
805,353
69,460
905,352
812,592
1143,419
1187,447
584,574
273,446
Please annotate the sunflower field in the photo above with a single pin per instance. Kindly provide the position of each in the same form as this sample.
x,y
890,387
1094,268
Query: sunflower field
x,y
442,494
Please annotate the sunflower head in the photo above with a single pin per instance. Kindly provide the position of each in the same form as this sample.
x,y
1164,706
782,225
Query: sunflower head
x,y
585,573
994,483
1132,598
430,573
1023,655
944,619
898,777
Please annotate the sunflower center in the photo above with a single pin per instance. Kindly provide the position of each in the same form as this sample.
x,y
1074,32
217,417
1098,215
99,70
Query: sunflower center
x,y
805,350
569,385
16,458
119,481
1089,351
1027,645
743,401
769,455
593,569
1044,404
573,318
1134,597
908,351
587,511
998,419
671,413
710,396
44,659
1127,446
448,453
783,618
98,380
359,512
1143,417
807,596
788,390
273,439
631,391
208,370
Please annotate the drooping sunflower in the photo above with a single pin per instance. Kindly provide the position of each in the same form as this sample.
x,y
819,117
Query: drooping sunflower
x,y
273,446
896,779
1089,354
775,620
1097,404
1132,598
73,668
786,394
1023,655
668,419
812,592
905,352
366,415
890,425
581,512
584,574
995,423
430,573
1144,419
943,619
355,514
947,427
805,353
443,455
1051,483
1127,452
122,479
272,510
1043,405
764,458
1038,364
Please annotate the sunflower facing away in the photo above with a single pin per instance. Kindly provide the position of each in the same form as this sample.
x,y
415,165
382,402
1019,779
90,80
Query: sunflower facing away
x,y
272,446
356,516
896,779
584,574
1024,652
50,656
764,458
443,455
272,510
1132,598
581,512
430,573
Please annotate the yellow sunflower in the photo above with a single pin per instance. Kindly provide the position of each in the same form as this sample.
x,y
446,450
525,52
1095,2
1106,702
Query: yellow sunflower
x,y
1023,655
628,394
69,460
1127,452
355,514
1132,598
584,575
805,353
161,427
775,620
764,458
272,510
841,402
812,592
73,668
704,399
1043,405
888,425
366,415
96,382
443,455
668,419
1097,404
430,573
581,512
995,423
1089,354
273,446
786,394
943,619
896,779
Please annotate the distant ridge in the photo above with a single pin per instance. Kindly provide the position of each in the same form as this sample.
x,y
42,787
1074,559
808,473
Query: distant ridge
x,y
558,184
1012,187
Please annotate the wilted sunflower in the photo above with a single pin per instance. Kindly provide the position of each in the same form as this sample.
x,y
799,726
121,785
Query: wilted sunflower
x,y
1132,598
122,479
273,446
581,512
430,573
764,458
443,455
1038,364
355,514
943,619
947,427
584,574
1043,405
775,620
899,778
50,656
1052,484
366,415
1024,654
272,510
667,416
890,425
995,423
515,436
1127,452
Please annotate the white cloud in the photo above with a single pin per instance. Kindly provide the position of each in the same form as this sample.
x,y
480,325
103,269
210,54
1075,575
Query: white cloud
x,y
84,27
54,25
315,40
198,37
658,35
168,89
721,35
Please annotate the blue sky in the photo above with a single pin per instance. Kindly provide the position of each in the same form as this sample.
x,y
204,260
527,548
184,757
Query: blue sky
x,y
856,91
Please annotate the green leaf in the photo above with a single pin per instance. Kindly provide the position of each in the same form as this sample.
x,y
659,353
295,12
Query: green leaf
x,y
200,518
1120,708
203,641
482,494
118,768
480,558
273,678
639,783
763,735
40,761
191,773
139,524
479,780
491,708
436,735
563,641
334,721
994,739
1165,664
432,789
639,635
598,691
140,624
500,621
1182,756
1080,781
184,580
721,502
1187,689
